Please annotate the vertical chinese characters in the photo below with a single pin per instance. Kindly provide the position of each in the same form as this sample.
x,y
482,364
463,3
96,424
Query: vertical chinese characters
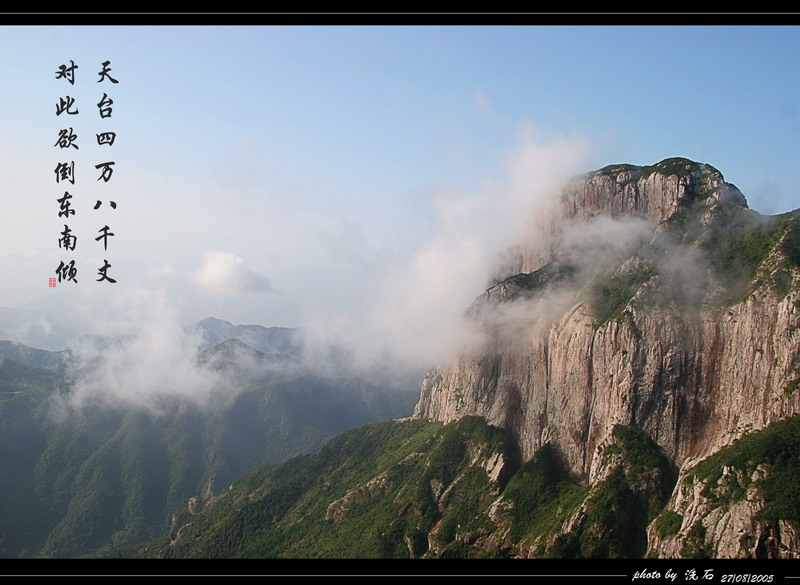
x,y
65,172
105,139
69,141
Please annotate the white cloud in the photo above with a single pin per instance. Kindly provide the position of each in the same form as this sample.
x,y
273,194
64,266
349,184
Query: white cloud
x,y
149,367
223,272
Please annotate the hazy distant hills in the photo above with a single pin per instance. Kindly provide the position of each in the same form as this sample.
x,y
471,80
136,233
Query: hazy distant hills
x,y
35,328
79,481
267,340
53,360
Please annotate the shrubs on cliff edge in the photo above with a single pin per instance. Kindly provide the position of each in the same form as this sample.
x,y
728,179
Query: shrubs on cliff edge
x,y
772,456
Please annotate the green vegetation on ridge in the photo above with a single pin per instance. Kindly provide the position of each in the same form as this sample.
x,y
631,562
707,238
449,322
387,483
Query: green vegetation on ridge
x,y
420,489
681,167
770,459
618,509
542,496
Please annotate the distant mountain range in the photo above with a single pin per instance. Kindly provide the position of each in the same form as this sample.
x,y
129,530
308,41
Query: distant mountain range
x,y
267,340
36,328
80,482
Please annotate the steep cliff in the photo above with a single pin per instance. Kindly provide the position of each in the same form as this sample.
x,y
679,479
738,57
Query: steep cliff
x,y
651,297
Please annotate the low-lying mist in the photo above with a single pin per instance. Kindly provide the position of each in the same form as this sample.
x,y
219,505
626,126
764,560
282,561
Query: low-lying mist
x,y
149,367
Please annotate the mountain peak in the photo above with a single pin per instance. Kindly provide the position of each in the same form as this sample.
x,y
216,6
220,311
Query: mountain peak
x,y
213,322
659,193
676,165
655,191
266,340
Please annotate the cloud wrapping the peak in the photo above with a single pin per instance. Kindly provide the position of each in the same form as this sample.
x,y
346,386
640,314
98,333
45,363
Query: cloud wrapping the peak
x,y
417,312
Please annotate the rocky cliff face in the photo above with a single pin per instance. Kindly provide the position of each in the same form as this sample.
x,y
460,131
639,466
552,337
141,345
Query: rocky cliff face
x,y
653,298
703,527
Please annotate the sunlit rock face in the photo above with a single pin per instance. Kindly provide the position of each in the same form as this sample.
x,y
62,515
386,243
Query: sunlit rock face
x,y
622,310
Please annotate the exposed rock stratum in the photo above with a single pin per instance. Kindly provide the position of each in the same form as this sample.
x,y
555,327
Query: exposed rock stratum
x,y
650,297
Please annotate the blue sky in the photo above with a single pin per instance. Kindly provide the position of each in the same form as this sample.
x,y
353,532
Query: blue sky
x,y
276,174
